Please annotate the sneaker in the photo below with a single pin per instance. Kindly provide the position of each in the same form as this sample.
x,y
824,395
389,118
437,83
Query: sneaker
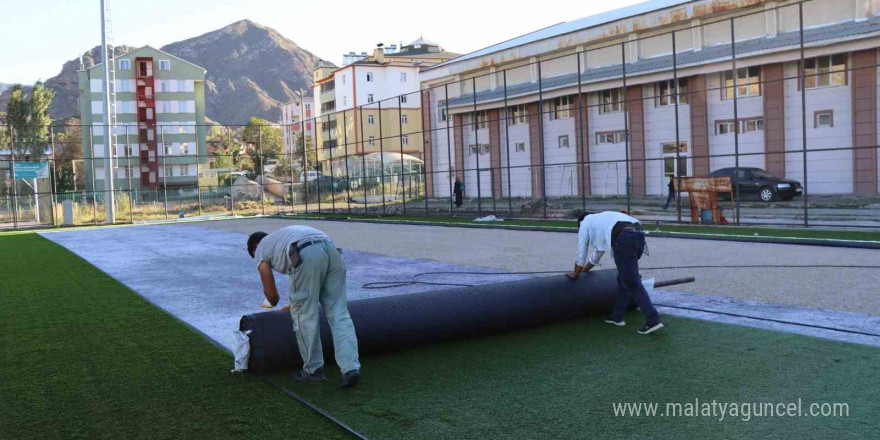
x,y
349,378
649,328
302,376
620,323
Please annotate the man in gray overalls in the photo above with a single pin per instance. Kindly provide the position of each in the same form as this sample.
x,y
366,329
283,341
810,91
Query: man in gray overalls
x,y
317,277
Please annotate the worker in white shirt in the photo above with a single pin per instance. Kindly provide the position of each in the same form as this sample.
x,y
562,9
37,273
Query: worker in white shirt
x,y
317,281
623,236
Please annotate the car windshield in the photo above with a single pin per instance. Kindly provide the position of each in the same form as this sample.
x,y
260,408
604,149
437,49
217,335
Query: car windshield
x,y
763,174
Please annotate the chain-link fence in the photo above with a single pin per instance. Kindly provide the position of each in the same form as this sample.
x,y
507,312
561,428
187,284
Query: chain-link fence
x,y
790,117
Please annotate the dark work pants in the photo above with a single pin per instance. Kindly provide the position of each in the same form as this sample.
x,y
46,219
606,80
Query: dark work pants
x,y
628,248
669,199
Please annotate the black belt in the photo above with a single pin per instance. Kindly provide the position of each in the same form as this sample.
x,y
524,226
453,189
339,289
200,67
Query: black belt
x,y
300,247
619,227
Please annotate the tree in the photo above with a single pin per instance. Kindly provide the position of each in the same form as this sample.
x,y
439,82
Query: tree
x,y
267,140
27,119
68,150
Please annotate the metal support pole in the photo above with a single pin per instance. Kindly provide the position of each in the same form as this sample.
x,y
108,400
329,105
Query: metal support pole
x,y
14,180
128,176
54,172
381,158
402,167
582,144
363,160
231,194
94,183
677,97
541,139
198,164
626,106
305,161
735,117
332,184
318,163
262,170
347,173
164,172
425,144
449,148
803,71
476,127
507,143
109,204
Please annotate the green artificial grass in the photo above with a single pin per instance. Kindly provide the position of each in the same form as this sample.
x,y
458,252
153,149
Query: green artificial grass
x,y
739,232
559,382
85,357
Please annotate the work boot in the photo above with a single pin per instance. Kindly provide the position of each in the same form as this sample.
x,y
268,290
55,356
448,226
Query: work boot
x,y
302,376
349,379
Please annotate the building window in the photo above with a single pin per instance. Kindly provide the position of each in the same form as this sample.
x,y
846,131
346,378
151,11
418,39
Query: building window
x,y
751,125
404,119
665,92
610,137
473,150
169,171
183,170
343,79
484,149
520,147
402,77
403,99
724,127
823,118
169,150
826,71
669,147
345,100
748,83
370,98
482,118
184,149
442,116
519,114
124,64
372,141
369,76
127,150
611,101
164,64
371,120
562,141
405,139
560,108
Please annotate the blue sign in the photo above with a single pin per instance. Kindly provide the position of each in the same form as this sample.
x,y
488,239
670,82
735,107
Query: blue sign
x,y
30,170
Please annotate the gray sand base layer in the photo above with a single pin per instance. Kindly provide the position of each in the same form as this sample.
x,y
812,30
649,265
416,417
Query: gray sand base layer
x,y
202,274
206,278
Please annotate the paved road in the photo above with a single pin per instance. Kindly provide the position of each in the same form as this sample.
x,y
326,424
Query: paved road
x,y
847,289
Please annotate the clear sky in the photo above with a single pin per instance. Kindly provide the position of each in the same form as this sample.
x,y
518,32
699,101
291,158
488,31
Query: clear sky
x,y
38,36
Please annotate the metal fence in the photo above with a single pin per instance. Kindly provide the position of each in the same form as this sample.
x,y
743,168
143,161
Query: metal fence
x,y
598,129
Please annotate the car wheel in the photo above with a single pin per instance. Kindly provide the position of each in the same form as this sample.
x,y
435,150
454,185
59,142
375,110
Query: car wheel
x,y
767,194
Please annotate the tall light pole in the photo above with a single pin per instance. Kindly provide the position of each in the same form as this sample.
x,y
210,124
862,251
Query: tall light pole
x,y
109,199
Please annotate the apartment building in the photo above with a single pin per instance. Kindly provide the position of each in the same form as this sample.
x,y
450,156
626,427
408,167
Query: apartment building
x,y
160,121
372,105
567,106
301,108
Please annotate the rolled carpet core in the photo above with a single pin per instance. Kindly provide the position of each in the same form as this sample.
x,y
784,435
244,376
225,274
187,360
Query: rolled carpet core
x,y
404,321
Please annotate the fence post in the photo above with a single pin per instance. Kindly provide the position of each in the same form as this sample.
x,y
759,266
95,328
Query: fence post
x,y
12,176
305,160
626,105
507,142
449,149
198,165
347,173
54,171
400,133
262,170
381,157
803,80
94,184
332,185
127,150
363,160
735,75
475,127
541,140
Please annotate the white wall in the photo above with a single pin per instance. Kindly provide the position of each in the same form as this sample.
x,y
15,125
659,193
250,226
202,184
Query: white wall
x,y
660,129
560,173
751,145
606,178
829,172
520,182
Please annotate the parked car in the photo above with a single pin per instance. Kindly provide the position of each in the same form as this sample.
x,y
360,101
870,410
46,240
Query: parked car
x,y
312,175
755,182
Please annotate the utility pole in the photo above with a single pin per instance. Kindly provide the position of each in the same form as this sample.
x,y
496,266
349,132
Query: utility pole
x,y
109,199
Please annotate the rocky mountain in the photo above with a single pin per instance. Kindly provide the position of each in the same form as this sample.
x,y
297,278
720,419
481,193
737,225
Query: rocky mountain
x,y
4,86
252,70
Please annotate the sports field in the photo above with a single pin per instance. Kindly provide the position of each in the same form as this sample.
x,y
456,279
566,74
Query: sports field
x,y
87,357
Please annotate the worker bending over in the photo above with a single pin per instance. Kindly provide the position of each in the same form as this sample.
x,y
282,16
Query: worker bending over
x,y
623,236
317,277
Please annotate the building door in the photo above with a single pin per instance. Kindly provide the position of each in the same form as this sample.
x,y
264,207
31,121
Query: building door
x,y
671,167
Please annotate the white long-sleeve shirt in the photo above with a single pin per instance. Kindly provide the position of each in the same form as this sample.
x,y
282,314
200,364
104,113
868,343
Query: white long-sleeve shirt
x,y
595,231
